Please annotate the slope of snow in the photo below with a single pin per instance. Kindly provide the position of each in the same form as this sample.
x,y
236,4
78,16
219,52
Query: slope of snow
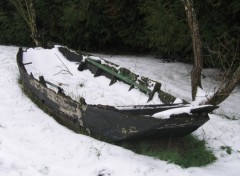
x,y
33,144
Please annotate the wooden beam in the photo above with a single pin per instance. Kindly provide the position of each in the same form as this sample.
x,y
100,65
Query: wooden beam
x,y
113,80
118,76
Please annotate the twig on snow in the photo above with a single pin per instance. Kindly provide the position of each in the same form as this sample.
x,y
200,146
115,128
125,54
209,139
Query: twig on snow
x,y
67,70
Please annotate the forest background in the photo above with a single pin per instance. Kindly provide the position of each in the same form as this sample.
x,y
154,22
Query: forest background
x,y
156,27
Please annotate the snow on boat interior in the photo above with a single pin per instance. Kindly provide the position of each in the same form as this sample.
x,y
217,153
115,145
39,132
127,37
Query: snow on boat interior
x,y
88,93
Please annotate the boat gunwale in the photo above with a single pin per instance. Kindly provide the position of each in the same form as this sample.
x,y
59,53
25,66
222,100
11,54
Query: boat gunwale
x,y
83,121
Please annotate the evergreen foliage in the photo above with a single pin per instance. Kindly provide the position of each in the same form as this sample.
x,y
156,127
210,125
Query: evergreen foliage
x,y
13,29
167,27
156,26
220,30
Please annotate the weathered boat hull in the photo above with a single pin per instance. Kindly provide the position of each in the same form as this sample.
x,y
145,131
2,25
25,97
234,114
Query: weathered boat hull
x,y
116,125
107,122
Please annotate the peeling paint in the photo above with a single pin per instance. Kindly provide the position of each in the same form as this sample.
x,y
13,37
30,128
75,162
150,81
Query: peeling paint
x,y
129,130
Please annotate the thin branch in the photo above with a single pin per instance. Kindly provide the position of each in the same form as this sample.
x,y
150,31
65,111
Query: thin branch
x,y
20,9
64,65
61,72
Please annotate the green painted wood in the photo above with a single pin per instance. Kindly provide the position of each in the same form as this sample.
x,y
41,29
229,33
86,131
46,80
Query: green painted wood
x,y
123,78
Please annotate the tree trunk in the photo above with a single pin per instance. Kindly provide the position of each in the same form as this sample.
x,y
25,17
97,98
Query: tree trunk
x,y
226,89
228,85
33,27
27,11
197,47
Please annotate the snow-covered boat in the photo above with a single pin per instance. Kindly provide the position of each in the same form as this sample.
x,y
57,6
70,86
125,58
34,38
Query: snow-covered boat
x,y
90,94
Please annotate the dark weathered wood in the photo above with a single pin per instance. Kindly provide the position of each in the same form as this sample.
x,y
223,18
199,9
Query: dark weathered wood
x,y
27,63
72,56
107,122
205,109
42,80
131,87
166,98
156,88
98,72
60,90
65,110
81,66
113,80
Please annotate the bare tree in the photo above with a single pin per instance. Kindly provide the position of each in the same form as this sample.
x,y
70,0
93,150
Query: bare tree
x,y
26,10
226,89
197,46
232,77
230,68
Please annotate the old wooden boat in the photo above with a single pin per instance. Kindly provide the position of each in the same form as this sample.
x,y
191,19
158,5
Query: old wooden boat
x,y
106,121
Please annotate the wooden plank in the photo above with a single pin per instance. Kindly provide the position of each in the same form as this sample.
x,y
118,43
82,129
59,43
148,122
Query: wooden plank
x,y
44,82
27,63
206,109
98,72
122,78
60,90
113,80
156,88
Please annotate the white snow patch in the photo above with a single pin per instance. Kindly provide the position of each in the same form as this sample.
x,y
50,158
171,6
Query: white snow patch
x,y
34,144
178,101
201,97
166,114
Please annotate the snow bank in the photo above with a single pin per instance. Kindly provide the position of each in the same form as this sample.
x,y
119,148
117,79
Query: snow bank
x,y
33,144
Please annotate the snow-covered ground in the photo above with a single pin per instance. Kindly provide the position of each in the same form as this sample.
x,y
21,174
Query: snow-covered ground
x,y
34,144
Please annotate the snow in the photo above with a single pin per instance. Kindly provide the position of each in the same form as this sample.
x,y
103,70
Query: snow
x,y
34,144
178,101
201,97
95,90
166,114
175,111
